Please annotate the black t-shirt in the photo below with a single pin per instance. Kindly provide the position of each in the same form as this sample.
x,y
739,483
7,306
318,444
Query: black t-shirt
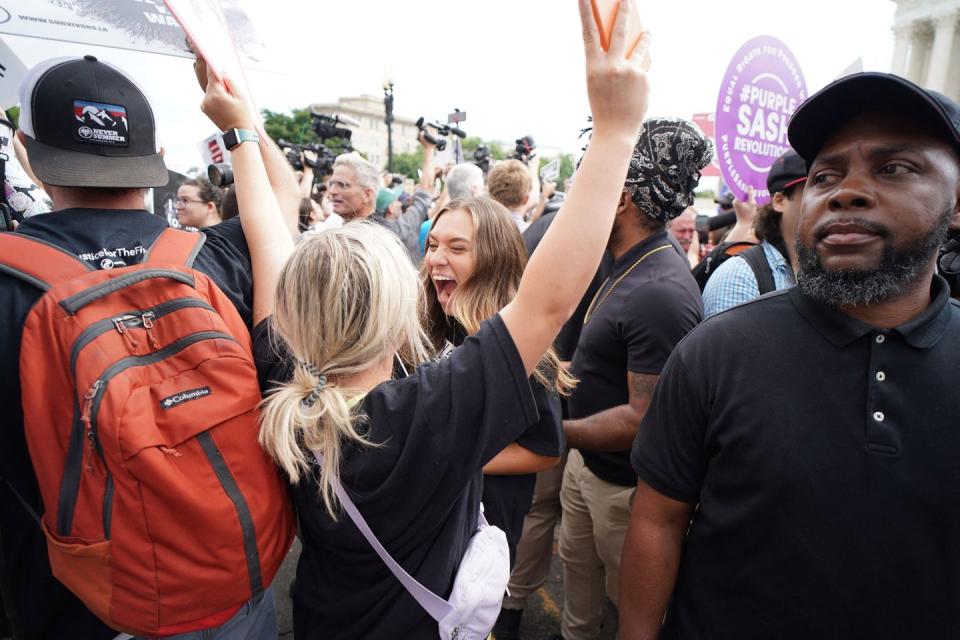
x,y
825,458
419,491
633,329
507,498
104,239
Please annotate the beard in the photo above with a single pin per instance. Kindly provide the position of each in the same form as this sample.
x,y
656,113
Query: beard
x,y
899,268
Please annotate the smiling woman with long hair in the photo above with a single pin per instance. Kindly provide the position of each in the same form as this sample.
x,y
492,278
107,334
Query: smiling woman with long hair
x,y
472,268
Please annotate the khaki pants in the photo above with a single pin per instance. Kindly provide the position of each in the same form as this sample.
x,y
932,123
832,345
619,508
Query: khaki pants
x,y
535,549
595,518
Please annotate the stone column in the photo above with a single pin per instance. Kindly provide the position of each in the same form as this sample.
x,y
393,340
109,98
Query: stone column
x,y
919,54
902,34
945,31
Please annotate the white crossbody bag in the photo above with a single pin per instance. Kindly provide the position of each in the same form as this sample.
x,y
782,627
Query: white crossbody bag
x,y
478,589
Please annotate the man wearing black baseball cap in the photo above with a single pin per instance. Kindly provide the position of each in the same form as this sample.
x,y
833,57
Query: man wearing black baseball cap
x,y
768,266
815,429
90,135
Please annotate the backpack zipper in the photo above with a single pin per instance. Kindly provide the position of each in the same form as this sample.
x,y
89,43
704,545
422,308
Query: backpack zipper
x,y
131,319
91,406
78,301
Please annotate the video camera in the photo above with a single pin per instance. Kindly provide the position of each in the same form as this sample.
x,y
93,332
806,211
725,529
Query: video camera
x,y
443,131
524,149
328,127
321,166
481,158
440,143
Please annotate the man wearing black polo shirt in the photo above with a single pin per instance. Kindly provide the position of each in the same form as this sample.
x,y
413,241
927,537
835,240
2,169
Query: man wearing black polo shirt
x,y
817,428
647,303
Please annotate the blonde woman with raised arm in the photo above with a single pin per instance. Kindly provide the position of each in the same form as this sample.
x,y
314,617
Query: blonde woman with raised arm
x,y
410,452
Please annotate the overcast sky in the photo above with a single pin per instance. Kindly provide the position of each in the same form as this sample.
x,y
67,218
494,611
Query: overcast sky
x,y
515,66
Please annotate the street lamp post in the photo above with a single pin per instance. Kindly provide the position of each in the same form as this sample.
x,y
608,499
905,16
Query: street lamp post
x,y
388,119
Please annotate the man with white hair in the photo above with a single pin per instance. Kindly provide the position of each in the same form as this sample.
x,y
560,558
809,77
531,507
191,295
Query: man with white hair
x,y
465,181
353,187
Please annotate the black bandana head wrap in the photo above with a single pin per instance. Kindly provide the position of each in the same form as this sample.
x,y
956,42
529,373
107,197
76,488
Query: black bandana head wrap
x,y
665,167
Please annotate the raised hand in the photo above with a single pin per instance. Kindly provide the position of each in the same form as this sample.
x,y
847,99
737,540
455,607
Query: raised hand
x,y
224,106
617,86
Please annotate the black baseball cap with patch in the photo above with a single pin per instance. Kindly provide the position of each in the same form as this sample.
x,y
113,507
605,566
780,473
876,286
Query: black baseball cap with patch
x,y
87,124
819,116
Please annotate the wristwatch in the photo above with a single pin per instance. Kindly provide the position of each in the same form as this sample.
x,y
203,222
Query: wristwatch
x,y
235,137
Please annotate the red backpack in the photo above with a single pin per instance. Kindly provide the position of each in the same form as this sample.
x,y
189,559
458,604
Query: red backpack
x,y
140,403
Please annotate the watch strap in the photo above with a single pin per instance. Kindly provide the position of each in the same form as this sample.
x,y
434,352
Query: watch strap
x,y
235,137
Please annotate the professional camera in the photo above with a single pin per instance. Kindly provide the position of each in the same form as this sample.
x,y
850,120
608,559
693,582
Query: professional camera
x,y
327,127
220,174
448,129
525,149
440,143
323,164
481,158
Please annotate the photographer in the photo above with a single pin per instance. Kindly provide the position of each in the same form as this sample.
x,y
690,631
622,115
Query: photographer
x,y
407,224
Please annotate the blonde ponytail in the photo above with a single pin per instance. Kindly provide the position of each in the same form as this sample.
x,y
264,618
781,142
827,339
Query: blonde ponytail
x,y
307,415
347,299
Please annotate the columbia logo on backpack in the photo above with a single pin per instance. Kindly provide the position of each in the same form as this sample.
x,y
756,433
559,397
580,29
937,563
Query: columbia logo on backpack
x,y
162,521
179,398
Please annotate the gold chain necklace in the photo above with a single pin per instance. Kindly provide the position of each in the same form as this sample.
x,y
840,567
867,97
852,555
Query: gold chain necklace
x,y
594,304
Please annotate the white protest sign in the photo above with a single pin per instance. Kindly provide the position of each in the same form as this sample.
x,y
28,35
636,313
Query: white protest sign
x,y
205,25
550,171
12,71
139,25
213,151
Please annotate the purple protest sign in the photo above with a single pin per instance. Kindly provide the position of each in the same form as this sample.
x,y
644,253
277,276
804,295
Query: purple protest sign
x,y
761,89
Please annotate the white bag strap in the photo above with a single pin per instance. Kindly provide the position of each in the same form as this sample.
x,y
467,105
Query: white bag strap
x,y
434,605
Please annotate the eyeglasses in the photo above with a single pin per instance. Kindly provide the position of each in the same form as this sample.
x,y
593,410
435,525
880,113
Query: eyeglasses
x,y
179,203
339,184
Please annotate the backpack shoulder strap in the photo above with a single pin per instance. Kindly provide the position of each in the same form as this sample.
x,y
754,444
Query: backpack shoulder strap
x,y
757,260
435,606
38,262
175,246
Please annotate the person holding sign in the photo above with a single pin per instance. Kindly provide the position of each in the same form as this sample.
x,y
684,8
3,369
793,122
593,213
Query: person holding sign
x,y
770,265
410,452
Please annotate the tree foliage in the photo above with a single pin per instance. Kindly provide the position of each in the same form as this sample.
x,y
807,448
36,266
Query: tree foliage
x,y
293,127
296,127
407,163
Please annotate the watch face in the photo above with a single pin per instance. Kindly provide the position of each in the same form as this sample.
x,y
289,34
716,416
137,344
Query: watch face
x,y
233,138
230,140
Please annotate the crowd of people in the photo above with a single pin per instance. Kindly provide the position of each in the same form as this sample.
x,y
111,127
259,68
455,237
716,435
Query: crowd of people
x,y
738,426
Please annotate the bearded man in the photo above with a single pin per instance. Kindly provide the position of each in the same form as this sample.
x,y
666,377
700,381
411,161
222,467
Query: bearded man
x,y
812,435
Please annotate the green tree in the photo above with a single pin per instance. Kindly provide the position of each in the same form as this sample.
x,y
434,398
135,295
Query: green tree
x,y
293,127
408,163
297,127
14,114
